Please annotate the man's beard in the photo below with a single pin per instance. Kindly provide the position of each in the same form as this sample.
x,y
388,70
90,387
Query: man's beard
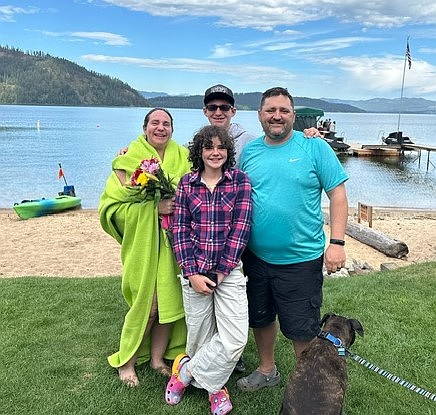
x,y
279,136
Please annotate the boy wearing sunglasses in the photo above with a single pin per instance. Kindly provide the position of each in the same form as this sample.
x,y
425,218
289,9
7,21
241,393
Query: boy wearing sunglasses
x,y
219,108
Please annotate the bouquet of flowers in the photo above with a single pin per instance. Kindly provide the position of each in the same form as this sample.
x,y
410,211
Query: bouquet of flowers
x,y
153,184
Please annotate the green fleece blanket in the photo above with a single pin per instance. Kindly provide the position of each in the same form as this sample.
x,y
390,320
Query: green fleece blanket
x,y
148,261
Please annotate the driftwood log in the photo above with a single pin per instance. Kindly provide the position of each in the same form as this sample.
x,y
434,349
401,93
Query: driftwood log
x,y
378,240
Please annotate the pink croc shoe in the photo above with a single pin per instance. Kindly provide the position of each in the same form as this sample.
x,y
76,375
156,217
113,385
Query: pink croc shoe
x,y
175,387
220,403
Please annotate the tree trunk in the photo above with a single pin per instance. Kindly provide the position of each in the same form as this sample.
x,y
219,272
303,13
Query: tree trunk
x,y
378,240
383,243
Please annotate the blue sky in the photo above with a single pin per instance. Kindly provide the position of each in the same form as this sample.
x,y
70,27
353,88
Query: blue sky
x,y
326,48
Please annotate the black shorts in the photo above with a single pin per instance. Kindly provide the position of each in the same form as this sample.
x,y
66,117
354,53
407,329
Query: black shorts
x,y
292,292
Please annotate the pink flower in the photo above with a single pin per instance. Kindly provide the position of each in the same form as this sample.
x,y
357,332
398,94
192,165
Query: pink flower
x,y
150,165
151,181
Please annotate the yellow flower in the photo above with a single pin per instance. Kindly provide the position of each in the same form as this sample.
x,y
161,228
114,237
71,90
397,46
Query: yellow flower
x,y
142,179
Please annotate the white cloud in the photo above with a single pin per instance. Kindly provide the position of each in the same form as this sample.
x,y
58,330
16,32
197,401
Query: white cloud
x,y
227,51
266,15
248,73
107,38
381,75
8,13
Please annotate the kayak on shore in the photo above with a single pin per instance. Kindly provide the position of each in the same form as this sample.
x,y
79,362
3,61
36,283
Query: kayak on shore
x,y
39,207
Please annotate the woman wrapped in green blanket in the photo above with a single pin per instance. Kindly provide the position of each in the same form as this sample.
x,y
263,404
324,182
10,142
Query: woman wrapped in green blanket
x,y
154,327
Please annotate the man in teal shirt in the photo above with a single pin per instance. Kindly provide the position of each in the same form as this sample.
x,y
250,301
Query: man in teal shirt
x,y
285,254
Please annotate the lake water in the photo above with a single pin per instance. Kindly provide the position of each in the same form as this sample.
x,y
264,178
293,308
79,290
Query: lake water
x,y
85,140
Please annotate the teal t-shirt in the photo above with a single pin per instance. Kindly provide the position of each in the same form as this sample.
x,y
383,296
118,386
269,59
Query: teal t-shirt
x,y
287,182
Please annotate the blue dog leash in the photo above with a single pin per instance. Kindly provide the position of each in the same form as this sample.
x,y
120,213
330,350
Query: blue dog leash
x,y
344,352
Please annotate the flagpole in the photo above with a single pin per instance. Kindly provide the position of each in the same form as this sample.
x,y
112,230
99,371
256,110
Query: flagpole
x,y
63,175
406,58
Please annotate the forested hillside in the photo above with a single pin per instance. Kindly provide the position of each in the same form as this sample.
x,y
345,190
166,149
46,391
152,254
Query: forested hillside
x,y
40,79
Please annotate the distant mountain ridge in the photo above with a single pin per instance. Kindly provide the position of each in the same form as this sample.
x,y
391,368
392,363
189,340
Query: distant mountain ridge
x,y
147,94
383,105
244,101
251,100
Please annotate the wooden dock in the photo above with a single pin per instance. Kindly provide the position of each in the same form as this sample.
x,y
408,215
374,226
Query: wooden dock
x,y
419,149
390,150
376,150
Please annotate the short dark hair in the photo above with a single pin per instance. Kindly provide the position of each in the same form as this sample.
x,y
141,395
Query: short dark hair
x,y
274,92
147,116
204,137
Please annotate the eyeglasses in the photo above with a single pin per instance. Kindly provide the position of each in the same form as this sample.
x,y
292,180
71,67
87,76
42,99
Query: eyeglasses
x,y
223,108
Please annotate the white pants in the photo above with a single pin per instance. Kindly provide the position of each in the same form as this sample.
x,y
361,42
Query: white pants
x,y
217,330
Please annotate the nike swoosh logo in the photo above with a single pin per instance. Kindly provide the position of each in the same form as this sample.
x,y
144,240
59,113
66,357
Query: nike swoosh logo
x,y
293,160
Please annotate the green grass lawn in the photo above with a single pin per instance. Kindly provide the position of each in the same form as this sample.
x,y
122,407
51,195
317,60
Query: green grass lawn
x,y
57,332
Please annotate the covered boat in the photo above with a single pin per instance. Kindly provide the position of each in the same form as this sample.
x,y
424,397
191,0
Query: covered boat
x,y
307,117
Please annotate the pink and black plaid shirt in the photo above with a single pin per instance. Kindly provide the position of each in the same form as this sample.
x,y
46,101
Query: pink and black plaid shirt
x,y
211,229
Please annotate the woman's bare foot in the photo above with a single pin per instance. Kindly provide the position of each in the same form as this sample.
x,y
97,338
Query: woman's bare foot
x,y
163,369
127,375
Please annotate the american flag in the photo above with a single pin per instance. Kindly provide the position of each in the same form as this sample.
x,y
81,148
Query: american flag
x,y
408,56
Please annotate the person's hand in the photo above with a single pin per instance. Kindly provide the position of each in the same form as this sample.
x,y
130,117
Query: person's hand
x,y
220,277
166,206
123,151
334,258
200,284
311,132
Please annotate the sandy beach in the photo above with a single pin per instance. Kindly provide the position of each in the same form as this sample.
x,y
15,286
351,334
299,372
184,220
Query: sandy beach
x,y
72,243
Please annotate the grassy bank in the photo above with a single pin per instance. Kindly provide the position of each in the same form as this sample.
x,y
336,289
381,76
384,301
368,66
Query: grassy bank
x,y
57,332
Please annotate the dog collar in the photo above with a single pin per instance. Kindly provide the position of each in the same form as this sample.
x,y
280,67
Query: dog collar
x,y
334,340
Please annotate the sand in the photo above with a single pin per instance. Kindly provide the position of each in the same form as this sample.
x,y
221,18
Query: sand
x,y
72,243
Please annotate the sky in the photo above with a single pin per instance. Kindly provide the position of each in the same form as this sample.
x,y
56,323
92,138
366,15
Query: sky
x,y
350,50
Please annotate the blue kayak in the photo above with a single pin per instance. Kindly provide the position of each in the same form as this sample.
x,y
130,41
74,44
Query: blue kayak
x,y
40,207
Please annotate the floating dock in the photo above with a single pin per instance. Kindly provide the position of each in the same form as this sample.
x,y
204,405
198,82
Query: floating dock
x,y
375,150
389,150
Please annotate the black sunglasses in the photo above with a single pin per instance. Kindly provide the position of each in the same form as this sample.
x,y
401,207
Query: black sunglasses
x,y
224,108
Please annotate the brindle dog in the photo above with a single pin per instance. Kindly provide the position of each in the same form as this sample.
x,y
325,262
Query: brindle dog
x,y
320,379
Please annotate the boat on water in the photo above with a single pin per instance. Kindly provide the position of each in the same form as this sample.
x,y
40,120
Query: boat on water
x,y
307,117
396,138
336,143
40,207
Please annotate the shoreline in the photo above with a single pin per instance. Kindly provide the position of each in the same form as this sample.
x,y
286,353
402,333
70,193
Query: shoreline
x,y
73,244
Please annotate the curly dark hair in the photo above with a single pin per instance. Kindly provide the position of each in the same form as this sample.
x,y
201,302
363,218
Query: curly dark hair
x,y
203,138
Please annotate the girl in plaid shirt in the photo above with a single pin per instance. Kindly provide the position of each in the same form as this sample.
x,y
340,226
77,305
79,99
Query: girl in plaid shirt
x,y
211,229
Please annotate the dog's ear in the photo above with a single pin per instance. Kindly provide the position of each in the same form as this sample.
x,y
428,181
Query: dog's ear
x,y
326,317
356,326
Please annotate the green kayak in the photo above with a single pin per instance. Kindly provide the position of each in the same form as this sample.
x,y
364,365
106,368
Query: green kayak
x,y
40,207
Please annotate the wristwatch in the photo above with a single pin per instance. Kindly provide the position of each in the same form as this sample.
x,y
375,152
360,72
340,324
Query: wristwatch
x,y
337,242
